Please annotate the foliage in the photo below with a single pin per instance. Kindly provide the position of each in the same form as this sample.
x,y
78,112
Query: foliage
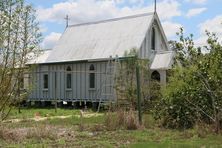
x,y
194,90
126,80
19,39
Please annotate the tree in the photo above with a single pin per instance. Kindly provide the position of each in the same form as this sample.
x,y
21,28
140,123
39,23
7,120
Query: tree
x,y
19,40
193,93
126,87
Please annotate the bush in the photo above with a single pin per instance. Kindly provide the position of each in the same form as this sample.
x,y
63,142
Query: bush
x,y
194,90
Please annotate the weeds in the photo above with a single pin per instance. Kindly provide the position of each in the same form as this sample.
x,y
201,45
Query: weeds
x,y
131,121
42,133
111,122
81,124
10,135
121,120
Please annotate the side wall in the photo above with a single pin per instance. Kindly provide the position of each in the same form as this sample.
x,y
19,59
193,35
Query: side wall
x,y
79,91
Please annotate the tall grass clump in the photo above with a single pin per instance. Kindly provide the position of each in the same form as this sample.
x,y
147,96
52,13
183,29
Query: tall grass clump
x,y
121,120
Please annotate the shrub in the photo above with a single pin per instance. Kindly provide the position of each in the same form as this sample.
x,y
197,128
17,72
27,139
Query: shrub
x,y
194,89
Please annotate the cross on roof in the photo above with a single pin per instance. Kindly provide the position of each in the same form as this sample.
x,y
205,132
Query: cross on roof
x,y
67,20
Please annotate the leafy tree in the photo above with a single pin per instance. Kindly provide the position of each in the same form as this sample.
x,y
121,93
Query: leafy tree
x,y
193,93
19,39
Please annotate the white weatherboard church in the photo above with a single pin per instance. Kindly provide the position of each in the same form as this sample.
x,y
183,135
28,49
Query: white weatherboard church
x,y
75,70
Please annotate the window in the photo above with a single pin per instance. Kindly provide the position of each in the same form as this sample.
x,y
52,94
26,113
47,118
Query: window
x,y
68,78
21,83
45,81
92,76
156,76
153,39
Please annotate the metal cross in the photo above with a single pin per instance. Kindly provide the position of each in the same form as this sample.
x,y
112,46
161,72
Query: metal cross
x,y
67,20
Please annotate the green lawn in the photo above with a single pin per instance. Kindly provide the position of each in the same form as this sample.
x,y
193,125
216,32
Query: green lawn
x,y
48,112
90,131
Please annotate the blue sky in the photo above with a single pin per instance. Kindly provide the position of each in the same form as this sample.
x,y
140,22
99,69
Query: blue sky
x,y
194,15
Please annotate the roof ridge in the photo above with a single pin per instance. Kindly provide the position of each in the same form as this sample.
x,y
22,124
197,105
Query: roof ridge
x,y
113,19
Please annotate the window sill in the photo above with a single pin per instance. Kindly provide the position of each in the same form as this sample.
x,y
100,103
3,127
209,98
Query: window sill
x,y
92,89
45,89
68,89
153,51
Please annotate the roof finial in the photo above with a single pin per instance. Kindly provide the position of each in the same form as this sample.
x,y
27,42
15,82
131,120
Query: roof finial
x,y
155,6
67,20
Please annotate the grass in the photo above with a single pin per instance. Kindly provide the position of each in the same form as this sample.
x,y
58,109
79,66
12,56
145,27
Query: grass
x,y
66,132
47,112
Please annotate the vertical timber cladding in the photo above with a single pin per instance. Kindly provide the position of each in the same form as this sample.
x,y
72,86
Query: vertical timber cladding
x,y
74,82
80,90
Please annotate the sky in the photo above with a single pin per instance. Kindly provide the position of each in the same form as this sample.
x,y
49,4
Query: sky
x,y
195,16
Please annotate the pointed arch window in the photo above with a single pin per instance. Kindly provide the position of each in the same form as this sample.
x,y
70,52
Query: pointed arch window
x,y
68,77
91,76
153,39
155,76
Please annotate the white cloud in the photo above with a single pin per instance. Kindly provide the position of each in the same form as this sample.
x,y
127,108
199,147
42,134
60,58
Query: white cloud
x,y
50,40
168,9
81,11
171,28
195,11
90,10
211,25
197,1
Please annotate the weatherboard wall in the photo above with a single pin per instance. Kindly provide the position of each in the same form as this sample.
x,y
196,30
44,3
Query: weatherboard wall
x,y
57,90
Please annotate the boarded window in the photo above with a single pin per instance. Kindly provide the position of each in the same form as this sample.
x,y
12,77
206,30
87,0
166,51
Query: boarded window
x,y
153,39
68,78
45,81
92,76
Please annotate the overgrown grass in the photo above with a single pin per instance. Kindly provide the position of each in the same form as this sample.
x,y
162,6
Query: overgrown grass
x,y
94,133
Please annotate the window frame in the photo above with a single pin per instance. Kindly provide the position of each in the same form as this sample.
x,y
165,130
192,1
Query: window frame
x,y
69,77
45,81
92,77
153,38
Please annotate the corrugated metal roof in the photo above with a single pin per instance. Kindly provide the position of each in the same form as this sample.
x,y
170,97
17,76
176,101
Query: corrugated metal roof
x,y
41,58
100,40
163,60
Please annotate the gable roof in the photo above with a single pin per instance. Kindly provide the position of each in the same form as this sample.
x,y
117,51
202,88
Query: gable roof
x,y
102,39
